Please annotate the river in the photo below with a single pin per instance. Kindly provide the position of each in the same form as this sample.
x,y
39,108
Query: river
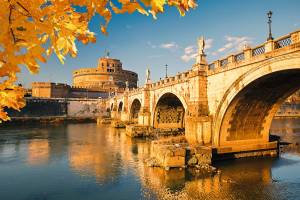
x,y
86,161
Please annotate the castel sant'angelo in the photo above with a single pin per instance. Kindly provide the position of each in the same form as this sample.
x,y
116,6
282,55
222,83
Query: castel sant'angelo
x,y
107,78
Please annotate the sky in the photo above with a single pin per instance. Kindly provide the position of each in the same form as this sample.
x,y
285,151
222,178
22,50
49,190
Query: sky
x,y
141,42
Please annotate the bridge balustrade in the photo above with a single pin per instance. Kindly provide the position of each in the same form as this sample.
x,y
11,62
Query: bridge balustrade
x,y
224,62
258,51
239,57
283,42
211,66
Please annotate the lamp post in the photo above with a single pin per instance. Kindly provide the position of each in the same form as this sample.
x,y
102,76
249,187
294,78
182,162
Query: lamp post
x,y
166,70
270,22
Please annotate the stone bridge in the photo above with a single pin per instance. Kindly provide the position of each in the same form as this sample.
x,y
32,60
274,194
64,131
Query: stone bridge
x,y
228,104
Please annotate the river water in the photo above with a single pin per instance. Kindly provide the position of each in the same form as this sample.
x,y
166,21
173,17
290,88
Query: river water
x,y
86,161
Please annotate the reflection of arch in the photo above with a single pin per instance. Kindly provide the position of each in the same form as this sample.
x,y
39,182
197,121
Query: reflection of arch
x,y
120,107
169,112
134,110
248,106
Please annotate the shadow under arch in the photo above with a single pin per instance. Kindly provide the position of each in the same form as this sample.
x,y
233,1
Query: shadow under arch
x,y
134,110
120,107
249,112
169,112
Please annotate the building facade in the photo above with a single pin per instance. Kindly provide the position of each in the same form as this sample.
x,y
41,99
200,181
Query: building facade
x,y
108,76
50,90
61,90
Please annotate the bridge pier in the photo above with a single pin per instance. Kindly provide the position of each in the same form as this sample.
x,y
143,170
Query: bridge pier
x,y
198,124
144,118
124,116
114,114
198,130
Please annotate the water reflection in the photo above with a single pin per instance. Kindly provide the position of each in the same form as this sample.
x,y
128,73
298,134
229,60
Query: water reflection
x,y
93,153
38,152
238,180
86,161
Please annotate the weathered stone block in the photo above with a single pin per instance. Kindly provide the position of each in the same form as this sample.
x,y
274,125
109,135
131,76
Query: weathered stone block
x,y
137,131
169,154
180,152
193,161
118,124
203,155
174,161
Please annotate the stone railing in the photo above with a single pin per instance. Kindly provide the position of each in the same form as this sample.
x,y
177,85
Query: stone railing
x,y
239,57
283,42
180,77
258,50
253,54
135,90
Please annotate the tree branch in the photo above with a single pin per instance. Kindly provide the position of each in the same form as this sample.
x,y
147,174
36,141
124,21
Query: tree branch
x,y
10,22
28,13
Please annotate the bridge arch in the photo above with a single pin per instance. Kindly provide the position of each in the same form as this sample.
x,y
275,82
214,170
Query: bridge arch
x,y
134,110
169,111
250,103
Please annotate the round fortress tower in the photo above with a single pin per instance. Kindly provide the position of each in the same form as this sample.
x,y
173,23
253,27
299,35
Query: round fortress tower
x,y
108,76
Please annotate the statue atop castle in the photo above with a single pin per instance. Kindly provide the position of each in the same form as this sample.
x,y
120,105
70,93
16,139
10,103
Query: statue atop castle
x,y
106,52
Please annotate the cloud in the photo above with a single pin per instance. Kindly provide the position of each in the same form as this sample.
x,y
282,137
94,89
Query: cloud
x,y
233,44
170,45
190,52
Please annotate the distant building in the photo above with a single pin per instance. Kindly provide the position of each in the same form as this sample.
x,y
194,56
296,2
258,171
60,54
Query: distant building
x,y
50,90
60,90
108,78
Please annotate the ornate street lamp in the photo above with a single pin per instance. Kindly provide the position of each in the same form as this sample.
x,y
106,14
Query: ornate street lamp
x,y
270,22
166,70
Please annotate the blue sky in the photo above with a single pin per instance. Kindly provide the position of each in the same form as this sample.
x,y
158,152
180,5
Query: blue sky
x,y
141,42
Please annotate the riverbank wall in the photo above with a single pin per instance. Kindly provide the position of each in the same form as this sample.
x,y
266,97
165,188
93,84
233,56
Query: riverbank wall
x,y
58,110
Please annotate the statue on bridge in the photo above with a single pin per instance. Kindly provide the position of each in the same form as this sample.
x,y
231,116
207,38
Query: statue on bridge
x,y
148,80
201,57
201,45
